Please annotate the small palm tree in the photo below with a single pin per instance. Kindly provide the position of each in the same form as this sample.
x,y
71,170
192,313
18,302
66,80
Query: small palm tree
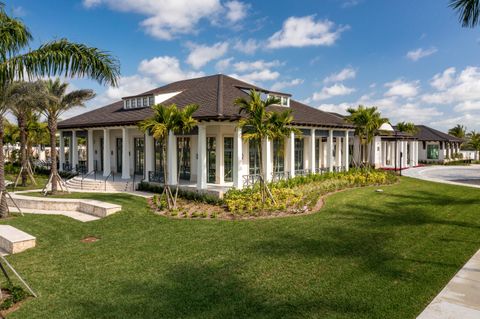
x,y
58,102
261,124
468,11
367,121
407,127
474,142
459,131
18,61
168,119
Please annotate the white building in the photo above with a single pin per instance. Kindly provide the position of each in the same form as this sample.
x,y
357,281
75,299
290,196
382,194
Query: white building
x,y
436,146
216,156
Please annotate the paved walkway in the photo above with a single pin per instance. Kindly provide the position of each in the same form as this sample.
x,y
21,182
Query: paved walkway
x,y
75,215
455,175
460,299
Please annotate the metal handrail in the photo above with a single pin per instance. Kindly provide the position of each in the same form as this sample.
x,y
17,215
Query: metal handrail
x,y
86,175
106,179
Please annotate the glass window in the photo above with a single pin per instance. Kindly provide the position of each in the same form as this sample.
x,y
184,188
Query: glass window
x,y
139,102
279,155
253,157
432,152
299,153
159,157
145,101
127,104
228,158
183,151
211,159
134,104
150,100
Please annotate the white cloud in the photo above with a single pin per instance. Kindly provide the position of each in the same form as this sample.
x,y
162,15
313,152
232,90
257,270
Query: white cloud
x,y
202,54
443,80
420,53
244,66
331,91
236,10
336,108
223,64
248,47
129,85
165,69
345,74
257,76
305,31
166,19
350,3
402,88
277,86
468,106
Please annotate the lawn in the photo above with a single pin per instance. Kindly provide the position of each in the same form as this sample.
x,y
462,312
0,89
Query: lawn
x,y
364,255
41,180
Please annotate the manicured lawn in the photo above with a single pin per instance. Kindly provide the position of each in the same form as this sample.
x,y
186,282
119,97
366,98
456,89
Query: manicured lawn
x,y
365,255
41,180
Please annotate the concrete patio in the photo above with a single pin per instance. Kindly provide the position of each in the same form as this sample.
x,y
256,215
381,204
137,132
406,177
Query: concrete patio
x,y
455,175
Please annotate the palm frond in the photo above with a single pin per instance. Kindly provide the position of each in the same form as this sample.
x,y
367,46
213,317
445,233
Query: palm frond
x,y
468,11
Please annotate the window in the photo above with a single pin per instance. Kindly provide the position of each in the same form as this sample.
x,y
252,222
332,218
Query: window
x,y
228,159
159,147
279,155
150,100
145,101
139,102
299,153
253,157
283,100
432,152
211,160
134,104
127,104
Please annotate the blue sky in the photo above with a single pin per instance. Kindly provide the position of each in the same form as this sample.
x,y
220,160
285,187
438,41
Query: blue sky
x,y
410,58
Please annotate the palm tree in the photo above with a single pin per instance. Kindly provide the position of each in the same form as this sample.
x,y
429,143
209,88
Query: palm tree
x,y
468,11
474,142
58,102
459,131
25,98
367,121
407,127
18,61
261,125
168,119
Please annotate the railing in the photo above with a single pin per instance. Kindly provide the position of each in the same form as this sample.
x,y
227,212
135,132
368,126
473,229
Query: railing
x,y
250,180
155,177
302,172
81,168
278,176
106,179
94,172
67,167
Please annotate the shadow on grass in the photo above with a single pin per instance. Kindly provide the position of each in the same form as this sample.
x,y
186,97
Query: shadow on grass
x,y
204,291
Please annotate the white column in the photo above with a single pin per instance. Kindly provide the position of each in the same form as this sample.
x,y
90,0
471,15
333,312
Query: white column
x,y
202,158
219,168
346,152
291,154
338,152
313,164
330,150
74,150
61,151
267,159
237,159
125,154
149,154
106,152
172,159
90,151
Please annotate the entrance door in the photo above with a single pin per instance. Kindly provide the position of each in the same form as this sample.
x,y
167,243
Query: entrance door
x,y
211,159
119,154
139,155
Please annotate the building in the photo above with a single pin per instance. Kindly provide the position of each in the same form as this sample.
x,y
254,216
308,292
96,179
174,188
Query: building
x,y
436,146
216,156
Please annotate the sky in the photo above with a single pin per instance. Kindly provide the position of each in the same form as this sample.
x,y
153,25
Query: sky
x,y
411,59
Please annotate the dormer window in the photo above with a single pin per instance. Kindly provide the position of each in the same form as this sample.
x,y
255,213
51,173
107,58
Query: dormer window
x,y
283,100
127,104
134,103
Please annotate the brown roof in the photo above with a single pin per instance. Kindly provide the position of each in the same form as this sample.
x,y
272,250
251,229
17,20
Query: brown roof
x,y
215,96
426,133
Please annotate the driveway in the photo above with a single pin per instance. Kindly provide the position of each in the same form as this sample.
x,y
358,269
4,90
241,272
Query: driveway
x,y
458,175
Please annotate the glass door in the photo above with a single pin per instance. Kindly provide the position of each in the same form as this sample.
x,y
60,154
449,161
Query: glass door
x,y
211,159
228,159
139,155
119,155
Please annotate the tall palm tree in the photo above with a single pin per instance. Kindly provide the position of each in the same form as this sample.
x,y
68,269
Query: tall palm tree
x,y
468,11
25,98
168,119
407,127
459,131
367,121
474,142
58,102
18,61
261,124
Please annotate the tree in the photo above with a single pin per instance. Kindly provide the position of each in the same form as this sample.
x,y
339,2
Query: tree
x,y
24,99
58,102
260,124
459,131
367,121
18,61
474,142
468,11
407,127
168,119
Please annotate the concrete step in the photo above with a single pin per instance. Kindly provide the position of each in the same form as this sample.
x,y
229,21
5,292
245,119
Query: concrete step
x,y
72,214
13,240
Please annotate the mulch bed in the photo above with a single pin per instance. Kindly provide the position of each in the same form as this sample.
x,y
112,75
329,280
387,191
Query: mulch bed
x,y
89,239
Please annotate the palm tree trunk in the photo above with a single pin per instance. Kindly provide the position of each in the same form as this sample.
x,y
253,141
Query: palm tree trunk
x,y
3,199
179,171
52,126
23,149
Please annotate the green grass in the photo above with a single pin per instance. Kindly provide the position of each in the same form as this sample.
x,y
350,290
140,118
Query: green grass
x,y
365,255
41,180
